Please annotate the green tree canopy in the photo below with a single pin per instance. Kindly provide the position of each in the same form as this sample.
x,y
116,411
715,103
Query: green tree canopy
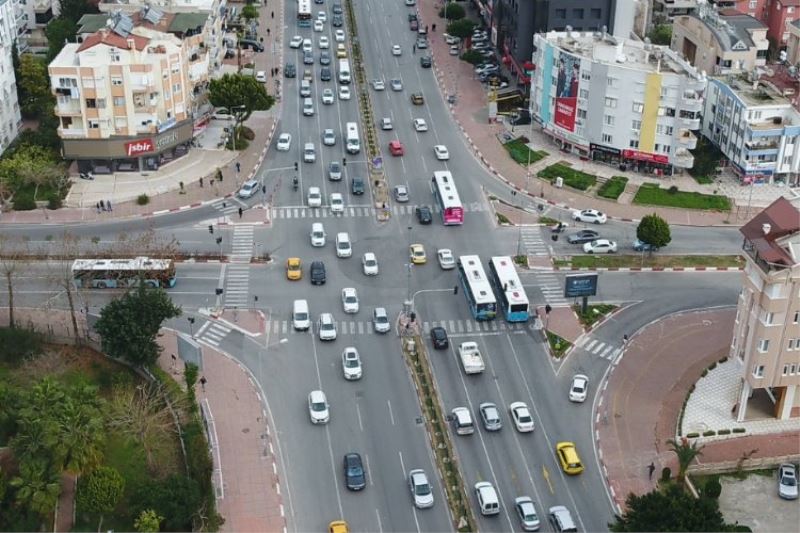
x,y
100,491
148,521
58,32
249,12
461,28
30,164
37,486
686,452
129,325
452,11
175,498
654,230
233,90
661,34
75,9
34,86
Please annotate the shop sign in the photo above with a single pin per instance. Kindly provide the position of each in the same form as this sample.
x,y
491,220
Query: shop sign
x,y
605,149
645,156
142,146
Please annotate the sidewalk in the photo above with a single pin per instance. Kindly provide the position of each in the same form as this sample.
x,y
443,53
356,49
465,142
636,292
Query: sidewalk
x,y
639,411
471,114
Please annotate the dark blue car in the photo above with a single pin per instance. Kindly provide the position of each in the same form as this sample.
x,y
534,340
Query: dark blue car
x,y
354,475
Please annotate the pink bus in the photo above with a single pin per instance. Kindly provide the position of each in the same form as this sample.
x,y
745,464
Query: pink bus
x,y
444,192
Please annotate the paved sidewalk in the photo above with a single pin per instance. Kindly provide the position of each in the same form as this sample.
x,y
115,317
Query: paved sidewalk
x,y
639,411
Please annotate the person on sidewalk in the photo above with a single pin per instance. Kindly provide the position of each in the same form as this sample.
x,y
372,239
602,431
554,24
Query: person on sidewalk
x,y
433,27
97,206
240,212
650,469
201,182
203,382
102,205
414,49
108,203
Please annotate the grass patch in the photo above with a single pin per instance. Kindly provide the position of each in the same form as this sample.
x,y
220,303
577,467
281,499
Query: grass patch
x,y
558,345
502,219
593,314
519,151
652,261
613,187
703,180
652,194
572,178
547,221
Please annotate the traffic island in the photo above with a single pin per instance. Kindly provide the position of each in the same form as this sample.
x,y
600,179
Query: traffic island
x,y
645,261
593,314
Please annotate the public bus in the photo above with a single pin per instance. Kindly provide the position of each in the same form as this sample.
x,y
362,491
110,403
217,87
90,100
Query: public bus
x,y
123,273
352,139
446,196
477,288
508,288
304,13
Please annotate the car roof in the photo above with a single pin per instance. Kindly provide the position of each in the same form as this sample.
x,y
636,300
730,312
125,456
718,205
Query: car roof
x,y
317,395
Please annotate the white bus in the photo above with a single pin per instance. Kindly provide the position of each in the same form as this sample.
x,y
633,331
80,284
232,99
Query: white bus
x,y
446,196
477,288
510,292
123,273
344,71
304,13
353,141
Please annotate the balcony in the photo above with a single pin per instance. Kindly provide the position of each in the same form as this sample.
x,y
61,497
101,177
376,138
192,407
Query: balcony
x,y
689,123
692,103
749,248
763,143
682,158
71,133
68,109
687,139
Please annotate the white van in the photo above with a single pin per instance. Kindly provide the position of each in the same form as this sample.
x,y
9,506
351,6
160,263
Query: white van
x,y
305,88
353,142
462,421
344,72
301,318
308,107
488,502
343,246
317,235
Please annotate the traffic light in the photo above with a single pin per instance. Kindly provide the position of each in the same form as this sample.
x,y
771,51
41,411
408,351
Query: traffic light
x,y
455,289
211,229
219,240
344,161
295,165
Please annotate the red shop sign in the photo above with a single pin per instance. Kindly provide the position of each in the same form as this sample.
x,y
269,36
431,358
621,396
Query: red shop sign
x,y
645,156
141,146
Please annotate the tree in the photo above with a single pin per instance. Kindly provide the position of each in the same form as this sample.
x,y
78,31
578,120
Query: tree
x,y
654,230
234,90
37,486
176,498
128,326
686,454
461,28
68,247
81,435
706,160
58,32
100,491
148,521
670,510
75,9
30,164
34,86
661,34
13,254
452,11
249,12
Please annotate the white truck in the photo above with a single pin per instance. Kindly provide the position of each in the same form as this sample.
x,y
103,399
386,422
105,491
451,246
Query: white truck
x,y
471,358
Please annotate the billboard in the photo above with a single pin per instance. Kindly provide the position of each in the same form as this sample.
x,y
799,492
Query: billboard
x,y
569,76
578,285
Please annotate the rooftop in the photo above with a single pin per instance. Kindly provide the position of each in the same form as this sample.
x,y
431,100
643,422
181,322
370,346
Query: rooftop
x,y
777,85
175,23
730,27
770,233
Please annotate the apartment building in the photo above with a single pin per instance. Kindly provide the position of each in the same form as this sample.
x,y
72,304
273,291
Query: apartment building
x,y
125,94
766,336
754,125
622,102
721,42
10,118
667,10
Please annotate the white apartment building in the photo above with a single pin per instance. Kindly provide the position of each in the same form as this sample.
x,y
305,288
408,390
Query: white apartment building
x,y
755,127
626,103
10,118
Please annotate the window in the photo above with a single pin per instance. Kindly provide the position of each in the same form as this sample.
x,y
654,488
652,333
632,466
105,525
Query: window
x,y
94,124
612,82
785,370
120,122
114,53
611,102
87,82
664,129
584,94
763,345
792,369
607,138
638,107
577,13
581,113
769,318
91,103
636,125
667,149
608,120
796,317
176,88
794,344
586,75
758,371
561,13
597,13
119,101
634,143
753,4
116,80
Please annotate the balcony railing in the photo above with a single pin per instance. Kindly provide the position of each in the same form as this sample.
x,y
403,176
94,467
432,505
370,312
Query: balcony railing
x,y
68,109
687,139
682,158
69,133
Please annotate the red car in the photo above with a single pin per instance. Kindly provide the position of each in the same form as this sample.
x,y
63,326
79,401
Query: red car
x,y
396,147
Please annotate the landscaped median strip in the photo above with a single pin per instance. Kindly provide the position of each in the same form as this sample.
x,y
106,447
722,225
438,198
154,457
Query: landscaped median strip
x,y
653,194
651,262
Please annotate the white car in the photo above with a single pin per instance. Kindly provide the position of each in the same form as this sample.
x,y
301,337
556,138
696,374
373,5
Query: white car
x,y
370,264
284,142
396,51
787,481
296,42
579,388
521,416
261,76
442,154
350,300
592,216
454,49
396,83
324,43
380,320
319,25
420,489
344,92
600,246
309,153
378,85
318,407
337,203
327,327
446,259
327,96
351,364
386,123
339,36
328,137
249,188
452,39
420,124
307,46
314,197
321,15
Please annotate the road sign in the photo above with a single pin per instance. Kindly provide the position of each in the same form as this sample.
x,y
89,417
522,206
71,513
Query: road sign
x,y
577,285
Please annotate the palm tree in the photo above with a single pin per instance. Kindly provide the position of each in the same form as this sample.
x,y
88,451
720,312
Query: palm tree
x,y
686,454
81,437
38,487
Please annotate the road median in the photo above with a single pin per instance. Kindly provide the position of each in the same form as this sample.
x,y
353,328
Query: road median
x,y
652,262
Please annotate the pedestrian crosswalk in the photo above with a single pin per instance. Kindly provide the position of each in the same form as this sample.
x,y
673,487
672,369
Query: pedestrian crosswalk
x,y
551,287
357,211
532,242
213,333
599,348
227,205
242,246
237,285
453,327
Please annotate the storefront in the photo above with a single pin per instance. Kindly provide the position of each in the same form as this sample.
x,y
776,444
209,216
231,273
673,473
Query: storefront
x,y
757,176
646,163
566,142
605,154
130,154
522,72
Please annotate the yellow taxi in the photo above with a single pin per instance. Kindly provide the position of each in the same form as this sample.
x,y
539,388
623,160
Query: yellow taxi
x,y
341,51
416,253
294,268
338,526
568,458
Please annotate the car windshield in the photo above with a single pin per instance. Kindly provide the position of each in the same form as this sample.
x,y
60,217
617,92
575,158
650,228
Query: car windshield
x,y
381,319
371,262
355,471
423,489
327,325
318,407
300,316
351,362
294,267
527,511
350,299
789,480
344,246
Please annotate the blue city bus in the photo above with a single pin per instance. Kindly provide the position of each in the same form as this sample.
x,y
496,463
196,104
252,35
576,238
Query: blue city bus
x,y
123,273
508,288
477,289
304,13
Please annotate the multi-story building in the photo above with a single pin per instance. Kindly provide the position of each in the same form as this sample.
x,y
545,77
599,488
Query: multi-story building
x,y
754,126
793,43
779,14
43,12
757,9
766,335
666,10
720,42
23,22
125,94
10,118
622,102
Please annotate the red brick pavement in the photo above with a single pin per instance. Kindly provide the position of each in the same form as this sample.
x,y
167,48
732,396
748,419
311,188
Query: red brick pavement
x,y
639,411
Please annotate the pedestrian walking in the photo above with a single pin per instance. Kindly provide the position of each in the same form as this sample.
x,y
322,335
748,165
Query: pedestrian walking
x,y
426,28
625,339
203,382
414,49
267,31
211,183
201,183
433,28
102,205
650,469
272,14
97,206
174,361
240,212
238,167
108,203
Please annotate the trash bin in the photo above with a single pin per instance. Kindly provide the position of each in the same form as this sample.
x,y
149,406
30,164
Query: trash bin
x,y
559,182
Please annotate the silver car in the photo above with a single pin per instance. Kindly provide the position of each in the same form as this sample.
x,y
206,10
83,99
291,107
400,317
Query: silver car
x,y
401,193
328,137
491,417
249,188
420,489
787,481
351,364
335,171
380,320
526,511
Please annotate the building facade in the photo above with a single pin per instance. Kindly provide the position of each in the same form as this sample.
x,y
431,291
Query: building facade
x,y
722,42
766,336
779,14
755,127
10,118
625,103
667,10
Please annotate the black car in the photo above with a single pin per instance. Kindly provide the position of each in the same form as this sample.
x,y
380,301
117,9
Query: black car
x,y
337,21
337,9
253,45
290,71
324,58
325,74
412,16
425,61
439,338
584,235
354,476
317,273
357,185
308,58
424,214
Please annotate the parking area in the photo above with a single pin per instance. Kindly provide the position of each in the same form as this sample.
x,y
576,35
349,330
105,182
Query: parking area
x,y
754,502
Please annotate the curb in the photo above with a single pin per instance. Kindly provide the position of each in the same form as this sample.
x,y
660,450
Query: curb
x,y
648,269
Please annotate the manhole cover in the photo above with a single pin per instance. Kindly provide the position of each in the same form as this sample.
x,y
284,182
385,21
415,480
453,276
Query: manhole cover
x,y
419,420
246,430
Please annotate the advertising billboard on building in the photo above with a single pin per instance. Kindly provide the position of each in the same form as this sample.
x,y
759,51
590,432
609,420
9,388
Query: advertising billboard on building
x,y
569,76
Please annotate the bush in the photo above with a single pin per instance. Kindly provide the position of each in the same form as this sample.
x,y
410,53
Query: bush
x,y
739,430
23,202
652,194
54,202
724,432
502,219
712,488
709,433
666,474
472,56
673,189
142,199
17,344
572,178
247,133
519,151
692,435
454,12
241,144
